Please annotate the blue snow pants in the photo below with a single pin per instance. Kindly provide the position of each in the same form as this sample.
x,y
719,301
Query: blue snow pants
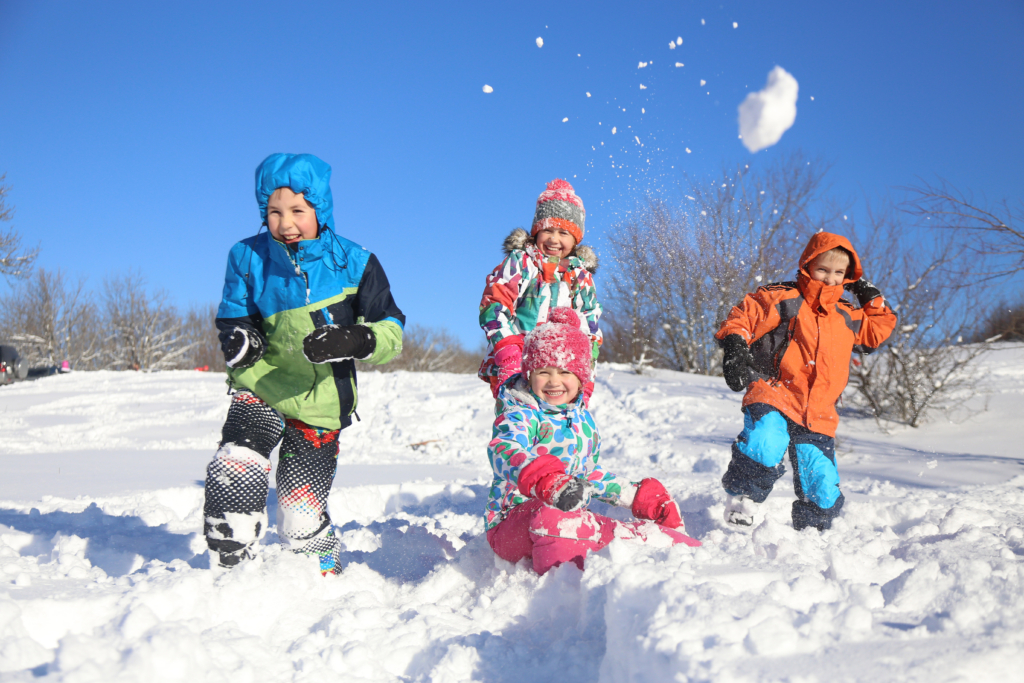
x,y
758,462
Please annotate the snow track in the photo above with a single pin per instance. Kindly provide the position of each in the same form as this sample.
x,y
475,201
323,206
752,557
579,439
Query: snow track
x,y
102,574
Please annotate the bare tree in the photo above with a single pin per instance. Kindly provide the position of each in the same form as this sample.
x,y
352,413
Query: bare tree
x,y
146,332
927,364
426,349
15,260
201,332
1004,322
52,318
994,232
679,268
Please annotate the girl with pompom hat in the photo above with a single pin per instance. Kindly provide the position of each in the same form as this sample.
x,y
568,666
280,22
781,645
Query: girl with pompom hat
x,y
543,269
544,452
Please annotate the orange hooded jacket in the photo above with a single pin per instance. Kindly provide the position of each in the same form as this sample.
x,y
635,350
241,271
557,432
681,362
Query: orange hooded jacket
x,y
802,336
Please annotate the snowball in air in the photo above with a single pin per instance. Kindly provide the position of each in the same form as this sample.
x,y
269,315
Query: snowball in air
x,y
641,65
735,25
614,129
565,120
678,64
702,82
688,150
672,45
679,41
488,89
540,42
588,94
764,116
643,87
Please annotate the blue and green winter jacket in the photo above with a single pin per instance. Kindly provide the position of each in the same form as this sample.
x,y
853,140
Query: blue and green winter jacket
x,y
284,292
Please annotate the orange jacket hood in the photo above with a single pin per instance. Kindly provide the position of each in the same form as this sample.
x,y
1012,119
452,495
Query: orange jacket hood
x,y
822,242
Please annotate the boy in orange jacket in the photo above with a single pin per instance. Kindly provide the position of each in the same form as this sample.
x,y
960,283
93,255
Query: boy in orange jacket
x,y
789,345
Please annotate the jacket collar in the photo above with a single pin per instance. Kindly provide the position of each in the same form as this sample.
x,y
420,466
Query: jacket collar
x,y
305,253
817,294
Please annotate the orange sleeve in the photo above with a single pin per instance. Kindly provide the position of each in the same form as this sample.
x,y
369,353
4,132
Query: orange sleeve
x,y
879,322
753,314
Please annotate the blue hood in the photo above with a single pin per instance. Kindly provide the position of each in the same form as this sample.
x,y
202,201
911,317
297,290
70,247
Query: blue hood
x,y
305,174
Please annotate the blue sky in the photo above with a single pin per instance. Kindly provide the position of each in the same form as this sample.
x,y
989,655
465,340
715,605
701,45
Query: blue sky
x,y
129,132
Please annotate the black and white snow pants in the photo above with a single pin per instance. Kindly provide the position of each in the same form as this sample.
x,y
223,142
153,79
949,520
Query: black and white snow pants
x,y
238,481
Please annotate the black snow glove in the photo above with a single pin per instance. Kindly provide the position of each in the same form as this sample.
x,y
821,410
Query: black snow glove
x,y
864,291
737,363
242,347
332,343
573,496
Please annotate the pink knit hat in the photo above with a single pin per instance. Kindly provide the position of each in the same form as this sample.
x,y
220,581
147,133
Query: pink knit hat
x,y
558,343
558,206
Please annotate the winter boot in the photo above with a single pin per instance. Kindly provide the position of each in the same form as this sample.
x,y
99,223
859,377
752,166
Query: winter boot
x,y
740,510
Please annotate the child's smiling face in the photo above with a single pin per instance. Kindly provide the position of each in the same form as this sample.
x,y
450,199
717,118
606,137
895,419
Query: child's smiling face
x,y
829,268
554,385
554,241
290,217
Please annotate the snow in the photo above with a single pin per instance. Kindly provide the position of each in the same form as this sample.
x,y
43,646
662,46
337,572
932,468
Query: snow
x,y
565,120
488,89
540,41
104,575
764,116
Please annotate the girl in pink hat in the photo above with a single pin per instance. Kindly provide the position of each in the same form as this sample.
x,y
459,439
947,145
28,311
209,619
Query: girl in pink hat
x,y
544,453
543,269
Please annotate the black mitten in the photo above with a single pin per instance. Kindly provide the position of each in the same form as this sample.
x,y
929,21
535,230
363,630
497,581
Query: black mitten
x,y
332,343
242,347
573,496
864,291
737,363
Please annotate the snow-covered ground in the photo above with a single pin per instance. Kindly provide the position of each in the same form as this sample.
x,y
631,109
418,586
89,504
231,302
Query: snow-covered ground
x,y
103,575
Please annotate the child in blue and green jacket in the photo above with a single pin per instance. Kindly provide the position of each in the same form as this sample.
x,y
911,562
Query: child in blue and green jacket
x,y
300,306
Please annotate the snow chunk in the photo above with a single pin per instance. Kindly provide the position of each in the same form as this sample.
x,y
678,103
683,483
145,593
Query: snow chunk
x,y
488,89
642,65
643,87
672,45
565,120
764,116
679,40
614,129
735,25
540,42
588,94
688,150
679,64
702,82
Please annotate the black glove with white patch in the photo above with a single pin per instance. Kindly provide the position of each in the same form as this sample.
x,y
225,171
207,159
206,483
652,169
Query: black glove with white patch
x,y
864,291
242,347
575,495
332,343
737,363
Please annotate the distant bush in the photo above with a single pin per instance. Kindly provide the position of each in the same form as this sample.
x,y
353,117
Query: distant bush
x,y
1005,321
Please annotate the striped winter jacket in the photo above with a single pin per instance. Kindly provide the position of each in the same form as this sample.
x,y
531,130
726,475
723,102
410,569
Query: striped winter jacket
x,y
802,335
526,285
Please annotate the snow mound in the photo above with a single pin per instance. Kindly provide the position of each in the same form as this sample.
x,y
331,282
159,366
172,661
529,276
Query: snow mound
x,y
764,116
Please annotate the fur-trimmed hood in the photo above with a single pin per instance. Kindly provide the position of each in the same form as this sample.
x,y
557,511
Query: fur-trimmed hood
x,y
519,239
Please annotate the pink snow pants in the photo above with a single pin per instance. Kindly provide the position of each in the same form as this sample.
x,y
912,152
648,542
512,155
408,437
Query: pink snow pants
x,y
551,537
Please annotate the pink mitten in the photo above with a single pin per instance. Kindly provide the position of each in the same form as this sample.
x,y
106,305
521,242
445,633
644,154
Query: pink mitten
x,y
653,502
545,479
588,391
508,356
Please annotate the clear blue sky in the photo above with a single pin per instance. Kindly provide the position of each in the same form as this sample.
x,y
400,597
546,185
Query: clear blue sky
x,y
129,131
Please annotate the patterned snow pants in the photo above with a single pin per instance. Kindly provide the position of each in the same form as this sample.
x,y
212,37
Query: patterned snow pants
x,y
758,461
238,481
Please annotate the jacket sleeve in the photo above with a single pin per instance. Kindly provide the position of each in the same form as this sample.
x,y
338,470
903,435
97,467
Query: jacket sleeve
x,y
236,307
512,438
587,304
376,308
754,314
501,294
878,323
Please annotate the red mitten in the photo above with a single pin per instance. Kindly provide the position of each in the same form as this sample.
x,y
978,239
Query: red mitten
x,y
588,391
508,356
653,502
545,479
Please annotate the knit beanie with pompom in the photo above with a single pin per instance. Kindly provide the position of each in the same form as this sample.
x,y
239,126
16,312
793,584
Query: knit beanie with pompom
x,y
558,343
559,207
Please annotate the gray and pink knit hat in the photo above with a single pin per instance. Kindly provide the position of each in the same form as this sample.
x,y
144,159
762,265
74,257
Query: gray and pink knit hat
x,y
558,343
558,206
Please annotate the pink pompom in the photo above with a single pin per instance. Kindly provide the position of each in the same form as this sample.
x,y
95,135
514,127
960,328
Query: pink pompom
x,y
564,316
559,184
